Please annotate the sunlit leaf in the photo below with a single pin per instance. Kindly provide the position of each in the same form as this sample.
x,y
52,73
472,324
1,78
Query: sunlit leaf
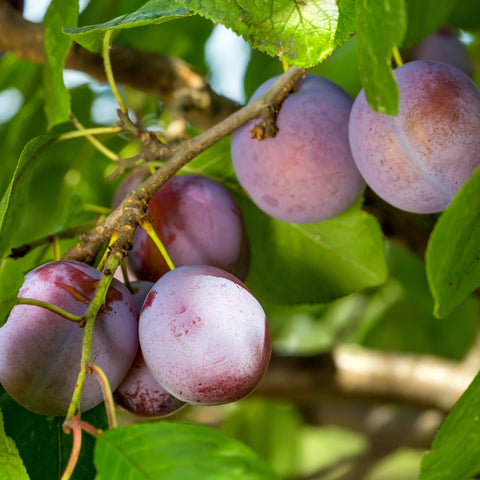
x,y
152,12
302,32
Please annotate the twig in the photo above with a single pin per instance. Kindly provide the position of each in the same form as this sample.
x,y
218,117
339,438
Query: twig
x,y
125,218
169,79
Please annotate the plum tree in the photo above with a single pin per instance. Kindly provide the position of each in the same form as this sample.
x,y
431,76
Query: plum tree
x,y
198,222
140,392
306,172
442,46
44,379
204,336
418,160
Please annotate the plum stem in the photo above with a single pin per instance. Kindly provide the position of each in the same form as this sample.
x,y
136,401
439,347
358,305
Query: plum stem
x,y
126,279
56,247
113,239
107,395
112,263
95,142
107,39
397,57
42,304
75,453
150,231
88,132
71,232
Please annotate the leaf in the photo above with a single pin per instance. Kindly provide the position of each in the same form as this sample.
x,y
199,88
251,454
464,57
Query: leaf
x,y
270,428
455,451
424,17
166,450
14,197
313,263
60,13
404,305
152,12
453,250
380,27
466,14
43,446
11,464
11,279
303,33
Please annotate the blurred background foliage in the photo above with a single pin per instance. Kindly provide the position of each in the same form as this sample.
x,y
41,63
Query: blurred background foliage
x,y
71,181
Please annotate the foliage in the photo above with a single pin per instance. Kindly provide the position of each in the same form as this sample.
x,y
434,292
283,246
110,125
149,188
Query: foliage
x,y
322,284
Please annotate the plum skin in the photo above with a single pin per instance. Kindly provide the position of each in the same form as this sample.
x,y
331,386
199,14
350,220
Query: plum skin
x,y
204,336
418,160
40,351
306,173
139,392
198,222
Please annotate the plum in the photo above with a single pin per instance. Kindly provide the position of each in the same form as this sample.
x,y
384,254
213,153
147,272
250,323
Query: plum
x,y
442,46
306,173
198,222
40,351
139,392
204,336
417,161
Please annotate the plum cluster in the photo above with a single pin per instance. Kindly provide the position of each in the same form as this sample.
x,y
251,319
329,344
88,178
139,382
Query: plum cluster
x,y
195,333
328,146
204,338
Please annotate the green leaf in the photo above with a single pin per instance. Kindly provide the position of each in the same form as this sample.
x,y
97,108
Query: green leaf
x,y
404,305
380,27
166,450
425,16
11,464
11,279
453,250
152,12
43,446
466,14
303,33
455,451
14,197
270,428
313,263
60,14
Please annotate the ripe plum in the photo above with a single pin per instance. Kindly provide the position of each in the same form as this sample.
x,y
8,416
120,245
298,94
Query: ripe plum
x,y
418,160
139,392
306,172
204,336
40,350
198,222
442,46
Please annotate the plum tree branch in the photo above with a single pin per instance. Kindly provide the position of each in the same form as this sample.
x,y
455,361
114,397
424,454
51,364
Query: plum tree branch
x,y
169,79
355,373
126,216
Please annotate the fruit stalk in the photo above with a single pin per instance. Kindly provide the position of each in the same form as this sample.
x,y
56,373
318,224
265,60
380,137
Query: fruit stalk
x,y
86,364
